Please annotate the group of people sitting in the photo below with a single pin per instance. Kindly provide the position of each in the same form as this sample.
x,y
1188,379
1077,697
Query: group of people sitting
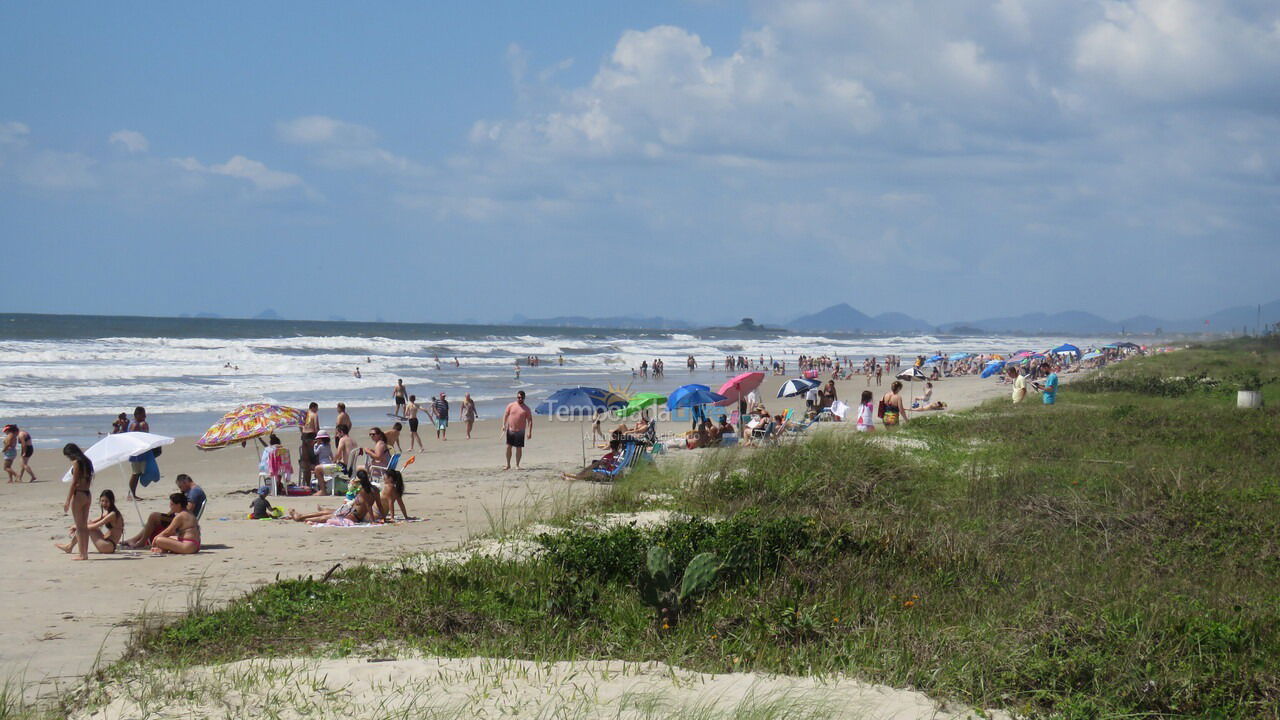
x,y
365,503
176,531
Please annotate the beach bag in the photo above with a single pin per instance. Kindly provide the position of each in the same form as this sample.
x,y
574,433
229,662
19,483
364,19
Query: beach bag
x,y
880,410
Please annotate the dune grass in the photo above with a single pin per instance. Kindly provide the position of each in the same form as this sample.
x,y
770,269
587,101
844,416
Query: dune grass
x,y
1115,555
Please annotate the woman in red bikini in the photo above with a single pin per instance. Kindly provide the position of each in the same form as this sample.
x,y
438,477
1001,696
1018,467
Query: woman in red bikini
x,y
183,534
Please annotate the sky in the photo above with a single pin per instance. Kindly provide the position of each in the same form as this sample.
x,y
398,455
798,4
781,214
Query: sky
x,y
461,161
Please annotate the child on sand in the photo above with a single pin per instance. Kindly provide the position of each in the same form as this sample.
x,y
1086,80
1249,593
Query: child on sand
x,y
260,508
866,413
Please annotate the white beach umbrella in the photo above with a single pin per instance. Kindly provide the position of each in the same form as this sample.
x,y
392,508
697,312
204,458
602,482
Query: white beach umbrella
x,y
912,374
115,449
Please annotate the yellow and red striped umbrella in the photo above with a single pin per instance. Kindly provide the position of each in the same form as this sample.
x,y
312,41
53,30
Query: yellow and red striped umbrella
x,y
248,422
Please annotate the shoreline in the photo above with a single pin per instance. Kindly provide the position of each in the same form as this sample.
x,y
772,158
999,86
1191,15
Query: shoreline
x,y
63,615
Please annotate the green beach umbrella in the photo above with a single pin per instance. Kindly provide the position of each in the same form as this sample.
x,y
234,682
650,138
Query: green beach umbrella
x,y
640,401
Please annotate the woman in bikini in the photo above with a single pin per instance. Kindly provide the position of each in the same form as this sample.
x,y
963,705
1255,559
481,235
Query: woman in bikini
x,y
182,537
79,496
106,531
364,507
392,493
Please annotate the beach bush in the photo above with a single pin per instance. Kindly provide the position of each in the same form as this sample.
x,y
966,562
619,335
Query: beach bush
x,y
1114,555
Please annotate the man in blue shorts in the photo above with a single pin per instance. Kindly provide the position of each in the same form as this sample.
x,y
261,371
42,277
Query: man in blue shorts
x,y
440,408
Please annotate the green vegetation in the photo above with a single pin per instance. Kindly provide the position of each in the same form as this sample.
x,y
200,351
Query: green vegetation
x,y
1115,555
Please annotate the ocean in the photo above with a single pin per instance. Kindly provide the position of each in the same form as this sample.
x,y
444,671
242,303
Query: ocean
x,y
65,377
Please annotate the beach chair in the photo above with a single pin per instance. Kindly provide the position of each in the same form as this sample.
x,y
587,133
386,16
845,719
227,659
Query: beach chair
x,y
624,463
279,469
377,471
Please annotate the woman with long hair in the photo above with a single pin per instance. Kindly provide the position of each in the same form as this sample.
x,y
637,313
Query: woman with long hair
x,y
392,493
106,531
379,454
894,412
79,496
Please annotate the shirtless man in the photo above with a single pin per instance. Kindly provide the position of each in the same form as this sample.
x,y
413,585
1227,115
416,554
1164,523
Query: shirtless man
x,y
399,394
393,436
310,428
411,411
517,425
343,418
183,534
345,447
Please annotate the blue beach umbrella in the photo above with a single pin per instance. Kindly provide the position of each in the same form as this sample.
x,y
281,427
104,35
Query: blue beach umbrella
x,y
935,358
798,386
992,368
580,401
1066,348
692,395
960,356
1092,355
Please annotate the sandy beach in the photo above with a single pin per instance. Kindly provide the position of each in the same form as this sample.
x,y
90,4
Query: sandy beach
x,y
63,617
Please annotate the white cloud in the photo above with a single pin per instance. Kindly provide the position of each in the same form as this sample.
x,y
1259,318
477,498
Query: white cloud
x,y
13,133
664,92
54,170
321,130
1164,49
131,140
343,145
239,166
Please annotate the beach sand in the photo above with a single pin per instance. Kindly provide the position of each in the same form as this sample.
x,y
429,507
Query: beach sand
x,y
62,617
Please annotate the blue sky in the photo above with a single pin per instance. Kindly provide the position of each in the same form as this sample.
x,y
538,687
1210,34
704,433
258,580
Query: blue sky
x,y
702,160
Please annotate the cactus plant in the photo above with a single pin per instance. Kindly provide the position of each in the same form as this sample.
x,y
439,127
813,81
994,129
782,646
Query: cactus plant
x,y
660,590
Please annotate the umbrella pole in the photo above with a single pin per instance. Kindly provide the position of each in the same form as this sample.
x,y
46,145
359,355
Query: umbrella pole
x,y
133,497
582,427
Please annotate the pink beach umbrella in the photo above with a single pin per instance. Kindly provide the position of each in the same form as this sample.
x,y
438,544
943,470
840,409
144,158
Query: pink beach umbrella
x,y
734,389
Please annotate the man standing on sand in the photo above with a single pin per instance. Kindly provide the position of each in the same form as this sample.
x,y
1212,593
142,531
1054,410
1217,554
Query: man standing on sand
x,y
138,463
343,418
411,410
440,408
310,427
517,423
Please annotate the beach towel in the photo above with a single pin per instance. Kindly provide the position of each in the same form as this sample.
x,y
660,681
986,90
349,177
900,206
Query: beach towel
x,y
151,474
347,523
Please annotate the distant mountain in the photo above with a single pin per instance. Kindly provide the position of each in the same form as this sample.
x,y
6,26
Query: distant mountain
x,y
1143,324
267,314
1233,318
626,322
1069,322
207,315
845,318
